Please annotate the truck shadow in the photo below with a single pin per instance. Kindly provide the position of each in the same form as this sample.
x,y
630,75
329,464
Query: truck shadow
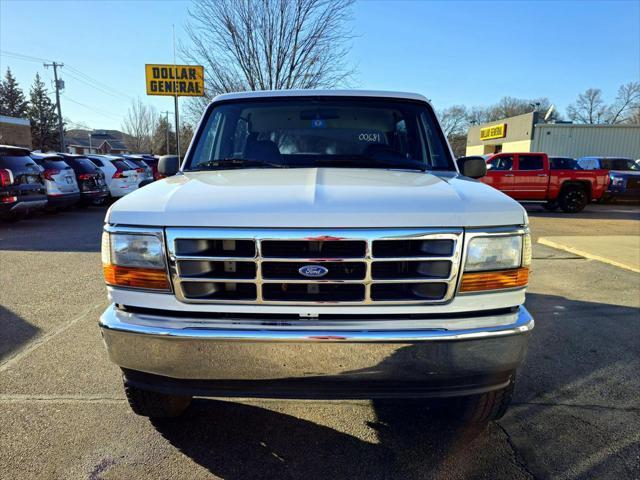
x,y
239,441
577,347
14,332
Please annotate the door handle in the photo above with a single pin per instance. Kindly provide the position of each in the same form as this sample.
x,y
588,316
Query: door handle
x,y
508,174
541,175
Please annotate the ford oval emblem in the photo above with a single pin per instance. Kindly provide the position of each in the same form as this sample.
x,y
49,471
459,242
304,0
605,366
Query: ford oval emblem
x,y
313,271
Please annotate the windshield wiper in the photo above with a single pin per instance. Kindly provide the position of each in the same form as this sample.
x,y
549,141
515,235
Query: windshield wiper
x,y
226,163
369,162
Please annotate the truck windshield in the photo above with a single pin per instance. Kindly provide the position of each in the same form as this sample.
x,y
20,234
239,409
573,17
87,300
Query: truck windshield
x,y
320,132
619,164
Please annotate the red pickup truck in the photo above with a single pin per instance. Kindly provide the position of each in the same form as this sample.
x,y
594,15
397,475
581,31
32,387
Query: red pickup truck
x,y
528,177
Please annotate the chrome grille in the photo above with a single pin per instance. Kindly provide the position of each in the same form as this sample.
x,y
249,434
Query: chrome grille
x,y
403,266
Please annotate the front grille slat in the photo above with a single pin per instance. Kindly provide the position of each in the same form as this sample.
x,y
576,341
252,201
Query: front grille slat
x,y
352,267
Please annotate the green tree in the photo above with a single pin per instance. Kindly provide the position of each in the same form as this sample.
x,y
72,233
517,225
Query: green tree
x,y
159,137
12,101
44,119
186,134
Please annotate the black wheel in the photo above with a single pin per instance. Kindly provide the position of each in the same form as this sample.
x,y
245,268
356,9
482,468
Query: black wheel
x,y
155,405
552,206
573,199
485,407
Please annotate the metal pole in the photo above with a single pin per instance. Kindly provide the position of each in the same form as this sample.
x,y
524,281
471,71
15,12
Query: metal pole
x,y
176,95
55,76
177,127
90,148
167,130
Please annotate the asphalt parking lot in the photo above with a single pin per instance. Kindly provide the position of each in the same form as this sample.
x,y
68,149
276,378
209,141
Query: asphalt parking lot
x,y
576,412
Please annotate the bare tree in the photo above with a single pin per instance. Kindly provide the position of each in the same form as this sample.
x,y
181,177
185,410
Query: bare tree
x,y
139,124
477,115
626,105
634,116
454,120
269,44
589,107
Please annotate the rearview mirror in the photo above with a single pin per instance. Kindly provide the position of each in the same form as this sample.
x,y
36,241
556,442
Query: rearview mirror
x,y
168,165
472,167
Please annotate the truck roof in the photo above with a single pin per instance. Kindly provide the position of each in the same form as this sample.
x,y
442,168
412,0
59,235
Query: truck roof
x,y
320,93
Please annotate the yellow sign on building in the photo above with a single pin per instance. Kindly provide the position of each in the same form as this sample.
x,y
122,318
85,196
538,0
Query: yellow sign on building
x,y
493,131
171,80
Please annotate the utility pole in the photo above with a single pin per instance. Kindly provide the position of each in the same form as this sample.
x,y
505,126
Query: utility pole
x,y
176,96
167,129
58,87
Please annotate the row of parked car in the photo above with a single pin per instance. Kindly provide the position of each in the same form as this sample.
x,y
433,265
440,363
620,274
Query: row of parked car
x,y
563,182
32,181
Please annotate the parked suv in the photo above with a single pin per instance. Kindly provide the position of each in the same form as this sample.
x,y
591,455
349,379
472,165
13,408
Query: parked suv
x,y
93,186
143,167
624,176
318,244
59,179
121,177
22,187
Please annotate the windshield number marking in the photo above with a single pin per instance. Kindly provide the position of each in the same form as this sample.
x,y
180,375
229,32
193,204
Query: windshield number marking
x,y
369,137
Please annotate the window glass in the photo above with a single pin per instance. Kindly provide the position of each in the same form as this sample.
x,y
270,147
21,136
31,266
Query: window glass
x,y
531,162
121,165
82,164
563,163
15,161
619,164
322,131
96,162
502,163
585,163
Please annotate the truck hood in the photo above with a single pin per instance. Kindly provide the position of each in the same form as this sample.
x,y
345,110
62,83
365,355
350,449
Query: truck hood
x,y
317,197
625,173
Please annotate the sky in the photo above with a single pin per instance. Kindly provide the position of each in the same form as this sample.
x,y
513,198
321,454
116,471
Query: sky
x,y
453,52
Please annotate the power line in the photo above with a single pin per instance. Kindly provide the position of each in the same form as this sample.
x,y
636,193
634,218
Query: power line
x,y
95,110
106,92
99,83
20,56
75,73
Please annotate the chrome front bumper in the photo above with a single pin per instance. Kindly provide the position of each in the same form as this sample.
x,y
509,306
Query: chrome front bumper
x,y
235,358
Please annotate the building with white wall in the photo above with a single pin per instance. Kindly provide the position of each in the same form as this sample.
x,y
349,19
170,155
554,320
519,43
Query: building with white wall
x,y
523,133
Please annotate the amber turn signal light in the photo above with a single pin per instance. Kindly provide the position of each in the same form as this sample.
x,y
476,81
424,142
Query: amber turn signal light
x,y
150,278
478,281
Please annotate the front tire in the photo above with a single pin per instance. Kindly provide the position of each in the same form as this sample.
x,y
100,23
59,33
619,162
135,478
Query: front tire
x,y
573,199
485,407
153,404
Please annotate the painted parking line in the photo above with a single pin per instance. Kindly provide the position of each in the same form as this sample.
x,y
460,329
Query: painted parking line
x,y
621,251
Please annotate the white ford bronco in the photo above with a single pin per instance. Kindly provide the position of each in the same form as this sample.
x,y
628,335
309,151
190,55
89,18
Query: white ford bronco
x,y
317,244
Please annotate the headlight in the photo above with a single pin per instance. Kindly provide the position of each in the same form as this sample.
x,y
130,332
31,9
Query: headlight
x,y
494,253
497,262
617,181
134,260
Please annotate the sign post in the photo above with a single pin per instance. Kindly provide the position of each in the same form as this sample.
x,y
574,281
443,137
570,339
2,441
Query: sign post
x,y
175,81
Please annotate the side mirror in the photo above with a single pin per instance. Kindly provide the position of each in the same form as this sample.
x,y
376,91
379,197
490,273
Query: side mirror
x,y
168,165
472,167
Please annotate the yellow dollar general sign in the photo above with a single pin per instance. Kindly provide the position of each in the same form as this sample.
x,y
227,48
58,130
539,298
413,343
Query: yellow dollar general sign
x,y
494,131
170,80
